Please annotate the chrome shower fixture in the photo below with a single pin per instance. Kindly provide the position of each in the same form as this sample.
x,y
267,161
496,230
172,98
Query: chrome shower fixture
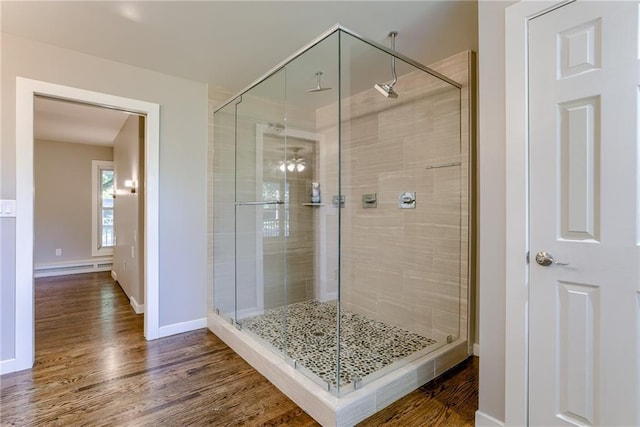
x,y
387,90
318,87
384,88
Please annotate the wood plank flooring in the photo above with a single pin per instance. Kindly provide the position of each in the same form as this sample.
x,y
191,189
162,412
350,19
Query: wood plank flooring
x,y
94,367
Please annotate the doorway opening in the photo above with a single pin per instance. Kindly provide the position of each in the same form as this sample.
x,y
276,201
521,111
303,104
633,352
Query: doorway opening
x,y
26,92
89,211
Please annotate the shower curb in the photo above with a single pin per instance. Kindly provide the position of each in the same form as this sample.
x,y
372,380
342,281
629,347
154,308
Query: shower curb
x,y
324,407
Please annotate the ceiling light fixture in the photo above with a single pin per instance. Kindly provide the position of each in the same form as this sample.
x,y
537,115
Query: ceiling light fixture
x,y
296,164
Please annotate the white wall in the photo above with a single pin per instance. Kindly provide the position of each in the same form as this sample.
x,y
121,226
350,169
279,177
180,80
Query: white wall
x,y
182,176
491,155
62,214
126,253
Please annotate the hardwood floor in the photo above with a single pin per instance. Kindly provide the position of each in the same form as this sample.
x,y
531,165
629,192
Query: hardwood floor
x,y
94,367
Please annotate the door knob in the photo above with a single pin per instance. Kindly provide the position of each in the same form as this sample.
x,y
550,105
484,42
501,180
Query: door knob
x,y
545,259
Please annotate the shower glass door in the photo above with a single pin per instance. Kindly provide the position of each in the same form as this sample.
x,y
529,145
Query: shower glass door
x,y
261,211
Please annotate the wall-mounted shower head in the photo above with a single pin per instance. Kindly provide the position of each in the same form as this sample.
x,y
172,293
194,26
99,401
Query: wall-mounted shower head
x,y
318,87
387,89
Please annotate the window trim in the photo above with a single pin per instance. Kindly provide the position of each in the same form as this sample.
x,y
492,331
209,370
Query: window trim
x,y
96,185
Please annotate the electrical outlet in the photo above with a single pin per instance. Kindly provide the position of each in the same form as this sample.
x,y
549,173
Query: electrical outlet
x,y
58,252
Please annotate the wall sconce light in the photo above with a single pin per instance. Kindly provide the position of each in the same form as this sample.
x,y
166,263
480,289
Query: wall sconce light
x,y
131,184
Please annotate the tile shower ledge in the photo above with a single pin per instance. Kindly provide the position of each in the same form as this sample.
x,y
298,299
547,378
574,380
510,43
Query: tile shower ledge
x,y
324,407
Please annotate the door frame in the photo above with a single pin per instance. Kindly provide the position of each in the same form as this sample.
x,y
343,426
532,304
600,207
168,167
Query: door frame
x,y
26,90
517,19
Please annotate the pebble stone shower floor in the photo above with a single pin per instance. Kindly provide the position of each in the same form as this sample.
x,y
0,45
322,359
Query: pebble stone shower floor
x,y
366,345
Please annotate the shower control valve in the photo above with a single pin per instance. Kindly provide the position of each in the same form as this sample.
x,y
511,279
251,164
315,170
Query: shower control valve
x,y
407,200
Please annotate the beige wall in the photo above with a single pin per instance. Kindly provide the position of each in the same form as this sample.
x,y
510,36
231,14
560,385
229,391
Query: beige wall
x,y
128,251
182,170
62,215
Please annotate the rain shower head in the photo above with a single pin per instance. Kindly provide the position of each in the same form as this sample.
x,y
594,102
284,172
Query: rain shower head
x,y
386,90
318,87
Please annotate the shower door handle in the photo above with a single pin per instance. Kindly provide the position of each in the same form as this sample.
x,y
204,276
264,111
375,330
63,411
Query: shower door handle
x,y
260,203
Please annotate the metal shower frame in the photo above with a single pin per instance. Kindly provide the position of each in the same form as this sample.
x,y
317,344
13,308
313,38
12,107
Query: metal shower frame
x,y
320,38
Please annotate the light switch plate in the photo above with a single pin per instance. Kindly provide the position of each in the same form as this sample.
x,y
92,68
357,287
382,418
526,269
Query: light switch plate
x,y
7,208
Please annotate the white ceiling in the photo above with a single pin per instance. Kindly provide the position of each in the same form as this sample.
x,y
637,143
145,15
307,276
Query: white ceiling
x,y
229,44
63,121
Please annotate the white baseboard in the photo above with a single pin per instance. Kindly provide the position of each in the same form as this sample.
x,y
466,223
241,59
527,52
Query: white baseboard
x,y
12,365
73,267
484,420
114,275
178,328
137,307
7,366
476,349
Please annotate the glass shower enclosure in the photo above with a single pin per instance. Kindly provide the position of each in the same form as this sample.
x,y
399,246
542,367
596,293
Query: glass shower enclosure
x,y
340,207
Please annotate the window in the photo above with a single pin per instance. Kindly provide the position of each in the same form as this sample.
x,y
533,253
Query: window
x,y
103,191
106,209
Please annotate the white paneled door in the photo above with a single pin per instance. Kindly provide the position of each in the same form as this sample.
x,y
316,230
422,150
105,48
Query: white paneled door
x,y
584,344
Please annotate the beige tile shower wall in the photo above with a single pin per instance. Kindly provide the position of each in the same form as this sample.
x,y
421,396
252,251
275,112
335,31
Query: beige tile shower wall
x,y
405,267
326,215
